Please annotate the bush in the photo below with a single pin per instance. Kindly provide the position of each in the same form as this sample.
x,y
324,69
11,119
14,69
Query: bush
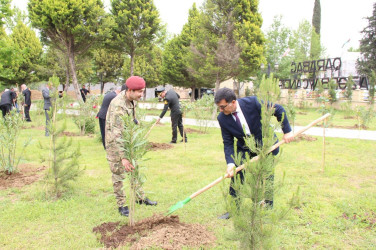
x,y
10,129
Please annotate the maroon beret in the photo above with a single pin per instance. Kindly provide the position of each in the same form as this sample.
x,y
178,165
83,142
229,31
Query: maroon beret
x,y
135,83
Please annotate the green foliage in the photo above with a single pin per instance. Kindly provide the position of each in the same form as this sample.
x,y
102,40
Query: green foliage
x,y
10,59
5,11
316,17
349,88
10,155
290,108
332,91
148,65
367,62
135,27
72,26
27,41
364,116
347,109
108,64
135,146
202,111
277,37
247,91
63,166
372,89
254,221
85,121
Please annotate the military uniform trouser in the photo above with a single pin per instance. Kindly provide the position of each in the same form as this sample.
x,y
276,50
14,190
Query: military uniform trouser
x,y
118,175
177,121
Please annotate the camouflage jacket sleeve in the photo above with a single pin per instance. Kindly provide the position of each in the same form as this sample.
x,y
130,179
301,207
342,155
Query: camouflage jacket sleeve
x,y
113,132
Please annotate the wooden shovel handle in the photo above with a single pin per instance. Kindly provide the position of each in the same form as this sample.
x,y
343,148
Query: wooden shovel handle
x,y
256,157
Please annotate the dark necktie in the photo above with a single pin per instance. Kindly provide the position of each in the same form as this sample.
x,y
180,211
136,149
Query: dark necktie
x,y
237,120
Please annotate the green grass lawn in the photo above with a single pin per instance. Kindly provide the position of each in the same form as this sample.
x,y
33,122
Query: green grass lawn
x,y
336,209
304,117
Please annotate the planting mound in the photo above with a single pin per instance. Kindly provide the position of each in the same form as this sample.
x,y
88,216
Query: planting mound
x,y
26,175
156,231
156,146
191,130
303,137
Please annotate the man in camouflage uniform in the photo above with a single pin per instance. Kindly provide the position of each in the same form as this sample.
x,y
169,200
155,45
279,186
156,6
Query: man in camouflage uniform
x,y
123,104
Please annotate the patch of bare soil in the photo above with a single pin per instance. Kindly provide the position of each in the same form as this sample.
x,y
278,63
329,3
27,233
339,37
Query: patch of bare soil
x,y
303,137
69,134
192,130
367,218
26,175
350,127
349,117
302,113
156,231
159,146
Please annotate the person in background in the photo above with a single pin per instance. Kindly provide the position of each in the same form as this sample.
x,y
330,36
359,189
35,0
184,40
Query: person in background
x,y
7,100
84,93
171,100
47,105
103,111
27,101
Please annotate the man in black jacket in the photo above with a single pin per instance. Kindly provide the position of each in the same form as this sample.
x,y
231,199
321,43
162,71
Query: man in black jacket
x,y
171,100
7,99
27,102
103,112
84,93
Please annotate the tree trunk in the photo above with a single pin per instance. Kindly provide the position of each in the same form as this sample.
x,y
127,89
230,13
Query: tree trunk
x,y
72,65
102,87
193,93
67,76
132,62
217,85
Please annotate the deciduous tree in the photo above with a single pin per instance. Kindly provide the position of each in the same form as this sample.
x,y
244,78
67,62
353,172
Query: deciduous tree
x,y
72,26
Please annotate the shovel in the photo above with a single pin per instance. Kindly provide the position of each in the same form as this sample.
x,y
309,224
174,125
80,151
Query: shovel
x,y
180,204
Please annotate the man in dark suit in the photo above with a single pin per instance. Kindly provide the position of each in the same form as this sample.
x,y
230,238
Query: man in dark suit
x,y
171,100
47,105
84,93
7,100
103,112
27,102
236,115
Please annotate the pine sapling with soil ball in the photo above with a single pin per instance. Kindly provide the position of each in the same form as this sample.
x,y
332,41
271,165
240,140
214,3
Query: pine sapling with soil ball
x,y
251,211
135,146
62,162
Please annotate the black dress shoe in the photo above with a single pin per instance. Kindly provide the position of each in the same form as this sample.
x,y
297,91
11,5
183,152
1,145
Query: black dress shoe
x,y
224,216
171,142
147,202
124,211
186,140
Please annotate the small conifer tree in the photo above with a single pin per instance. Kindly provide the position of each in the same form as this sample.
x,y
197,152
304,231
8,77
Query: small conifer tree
x,y
253,220
63,166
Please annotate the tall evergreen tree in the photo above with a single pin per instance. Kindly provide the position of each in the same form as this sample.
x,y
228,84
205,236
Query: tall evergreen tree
x,y
28,42
137,22
316,17
315,36
177,51
367,62
72,26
